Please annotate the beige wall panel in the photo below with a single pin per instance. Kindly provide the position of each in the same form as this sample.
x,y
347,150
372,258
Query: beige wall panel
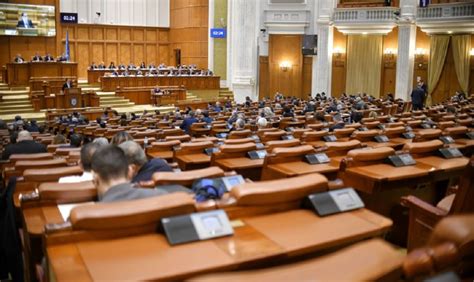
x,y
83,33
138,53
112,53
82,58
125,34
97,52
97,33
125,53
151,35
138,35
151,52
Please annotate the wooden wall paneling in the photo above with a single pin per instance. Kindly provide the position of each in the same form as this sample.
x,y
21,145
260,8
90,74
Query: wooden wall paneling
x,y
151,54
97,52
125,53
389,63
263,82
307,75
111,54
164,54
138,55
138,34
125,34
421,64
83,59
83,33
338,81
151,35
111,34
286,48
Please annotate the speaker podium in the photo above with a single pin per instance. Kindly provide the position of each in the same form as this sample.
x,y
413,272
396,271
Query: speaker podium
x,y
72,98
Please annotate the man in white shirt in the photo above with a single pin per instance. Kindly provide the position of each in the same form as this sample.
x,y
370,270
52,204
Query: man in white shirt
x,y
85,162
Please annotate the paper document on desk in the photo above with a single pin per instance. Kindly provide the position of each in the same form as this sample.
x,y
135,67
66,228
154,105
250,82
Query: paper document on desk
x,y
65,209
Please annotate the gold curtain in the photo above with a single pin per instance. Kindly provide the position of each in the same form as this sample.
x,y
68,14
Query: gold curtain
x,y
461,45
364,64
438,49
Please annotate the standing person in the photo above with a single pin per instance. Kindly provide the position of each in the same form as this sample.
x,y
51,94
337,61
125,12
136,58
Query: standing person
x,y
417,98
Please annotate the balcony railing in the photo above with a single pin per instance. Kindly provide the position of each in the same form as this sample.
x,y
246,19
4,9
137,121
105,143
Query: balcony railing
x,y
441,12
365,15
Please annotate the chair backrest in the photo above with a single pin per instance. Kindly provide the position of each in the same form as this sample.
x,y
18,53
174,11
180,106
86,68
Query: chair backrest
x,y
282,144
193,148
280,190
25,157
423,148
341,148
50,174
238,134
343,132
51,163
186,178
464,199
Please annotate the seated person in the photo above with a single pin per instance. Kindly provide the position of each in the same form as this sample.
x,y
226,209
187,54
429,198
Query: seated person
x,y
112,65
125,73
121,137
18,59
48,58
206,118
143,65
338,122
111,176
115,73
24,145
152,66
75,140
93,66
62,58
131,66
59,139
141,168
24,21
262,123
85,162
187,122
101,66
121,67
33,126
37,58
67,84
139,73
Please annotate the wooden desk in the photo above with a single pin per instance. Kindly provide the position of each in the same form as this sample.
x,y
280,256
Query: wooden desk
x,y
110,83
19,74
259,240
251,169
193,161
290,169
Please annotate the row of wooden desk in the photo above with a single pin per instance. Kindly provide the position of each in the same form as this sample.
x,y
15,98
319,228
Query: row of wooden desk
x,y
110,83
19,74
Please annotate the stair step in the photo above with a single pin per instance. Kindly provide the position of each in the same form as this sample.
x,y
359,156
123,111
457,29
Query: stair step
x,y
5,107
16,111
15,102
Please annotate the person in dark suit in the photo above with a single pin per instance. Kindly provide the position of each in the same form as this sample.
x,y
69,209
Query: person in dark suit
x,y
37,58
142,169
110,174
24,145
187,122
417,98
338,122
18,59
24,21
48,58
67,84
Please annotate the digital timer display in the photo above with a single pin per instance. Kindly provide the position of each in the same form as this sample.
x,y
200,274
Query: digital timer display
x,y
69,17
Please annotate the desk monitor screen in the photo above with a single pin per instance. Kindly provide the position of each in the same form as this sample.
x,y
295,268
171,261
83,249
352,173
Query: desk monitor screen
x,y
330,138
447,139
231,181
260,146
401,160
212,224
210,151
449,153
381,138
363,128
320,158
408,135
470,135
287,137
255,155
221,135
27,20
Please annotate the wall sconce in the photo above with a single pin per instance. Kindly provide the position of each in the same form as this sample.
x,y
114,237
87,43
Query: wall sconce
x,y
420,53
472,52
420,61
337,52
389,53
285,65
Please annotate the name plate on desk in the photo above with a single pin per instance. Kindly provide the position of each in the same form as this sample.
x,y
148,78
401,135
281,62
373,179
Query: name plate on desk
x,y
332,202
258,154
381,139
447,139
425,126
221,135
401,160
320,158
255,137
287,137
330,138
408,128
362,128
196,227
210,151
260,146
381,126
450,153
408,135
470,135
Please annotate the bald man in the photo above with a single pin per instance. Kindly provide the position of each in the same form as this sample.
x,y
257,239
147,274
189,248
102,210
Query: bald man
x,y
24,145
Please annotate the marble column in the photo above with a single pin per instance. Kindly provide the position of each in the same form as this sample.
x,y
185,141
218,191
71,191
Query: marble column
x,y
322,63
405,60
242,50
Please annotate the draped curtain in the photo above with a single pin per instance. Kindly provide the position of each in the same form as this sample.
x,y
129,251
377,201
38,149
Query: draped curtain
x,y
364,64
438,49
461,45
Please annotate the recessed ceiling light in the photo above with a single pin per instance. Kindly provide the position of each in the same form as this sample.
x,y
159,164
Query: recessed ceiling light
x,y
450,32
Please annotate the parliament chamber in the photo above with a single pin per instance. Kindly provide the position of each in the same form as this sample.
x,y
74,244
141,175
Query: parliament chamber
x,y
237,140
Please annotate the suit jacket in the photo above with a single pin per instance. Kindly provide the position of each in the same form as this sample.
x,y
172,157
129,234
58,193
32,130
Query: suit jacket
x,y
186,125
23,147
37,59
127,191
417,96
22,24
65,85
18,60
146,171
